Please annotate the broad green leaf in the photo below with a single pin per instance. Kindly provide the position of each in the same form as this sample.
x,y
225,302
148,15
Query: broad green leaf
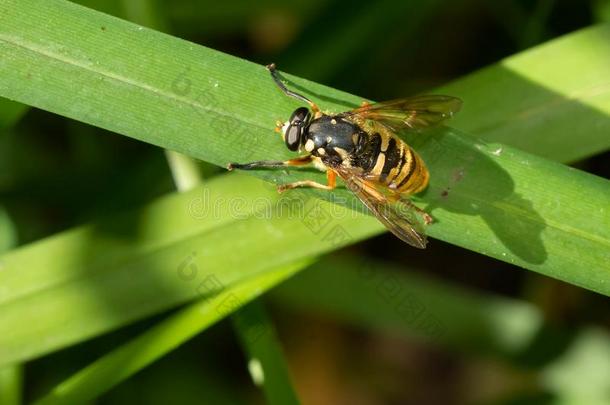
x,y
96,278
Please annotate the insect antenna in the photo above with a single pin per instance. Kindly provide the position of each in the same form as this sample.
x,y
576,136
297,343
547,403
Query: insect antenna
x,y
276,78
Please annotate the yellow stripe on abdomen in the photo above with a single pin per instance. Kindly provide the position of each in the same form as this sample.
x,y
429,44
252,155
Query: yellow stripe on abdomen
x,y
413,176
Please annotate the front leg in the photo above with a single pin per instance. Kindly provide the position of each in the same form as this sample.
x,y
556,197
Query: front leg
x,y
331,180
270,164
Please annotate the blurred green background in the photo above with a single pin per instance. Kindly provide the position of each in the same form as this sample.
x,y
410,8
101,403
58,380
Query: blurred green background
x,y
381,50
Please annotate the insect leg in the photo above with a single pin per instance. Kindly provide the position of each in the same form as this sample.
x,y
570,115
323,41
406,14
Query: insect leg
x,y
270,164
276,78
331,179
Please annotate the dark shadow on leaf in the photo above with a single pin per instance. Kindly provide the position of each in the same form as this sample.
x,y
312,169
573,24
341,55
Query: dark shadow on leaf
x,y
456,184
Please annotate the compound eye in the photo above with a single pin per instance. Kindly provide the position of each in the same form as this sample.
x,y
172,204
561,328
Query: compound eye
x,y
293,137
301,114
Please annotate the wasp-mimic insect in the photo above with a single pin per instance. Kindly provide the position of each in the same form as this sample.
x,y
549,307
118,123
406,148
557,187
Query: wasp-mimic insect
x,y
361,147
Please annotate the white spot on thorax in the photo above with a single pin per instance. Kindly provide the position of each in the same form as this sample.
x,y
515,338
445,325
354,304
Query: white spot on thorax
x,y
321,151
333,121
309,145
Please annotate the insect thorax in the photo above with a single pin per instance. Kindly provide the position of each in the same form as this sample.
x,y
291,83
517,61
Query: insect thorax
x,y
335,140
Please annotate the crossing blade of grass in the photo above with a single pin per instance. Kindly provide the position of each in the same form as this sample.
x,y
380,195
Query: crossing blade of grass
x,y
96,278
265,360
552,100
123,362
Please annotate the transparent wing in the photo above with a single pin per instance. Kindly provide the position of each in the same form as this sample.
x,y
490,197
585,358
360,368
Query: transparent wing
x,y
415,113
399,217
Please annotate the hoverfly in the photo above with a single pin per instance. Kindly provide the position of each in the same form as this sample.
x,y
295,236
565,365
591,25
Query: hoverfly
x,y
361,147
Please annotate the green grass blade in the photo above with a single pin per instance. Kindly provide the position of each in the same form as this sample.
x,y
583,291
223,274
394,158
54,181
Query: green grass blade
x,y
188,93
552,100
96,278
265,359
161,339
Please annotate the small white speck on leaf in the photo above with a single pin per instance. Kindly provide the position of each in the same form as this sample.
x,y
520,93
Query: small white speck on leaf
x,y
498,151
256,371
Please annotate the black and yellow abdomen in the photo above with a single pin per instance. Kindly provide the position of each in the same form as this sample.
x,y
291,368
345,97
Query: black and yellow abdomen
x,y
390,161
